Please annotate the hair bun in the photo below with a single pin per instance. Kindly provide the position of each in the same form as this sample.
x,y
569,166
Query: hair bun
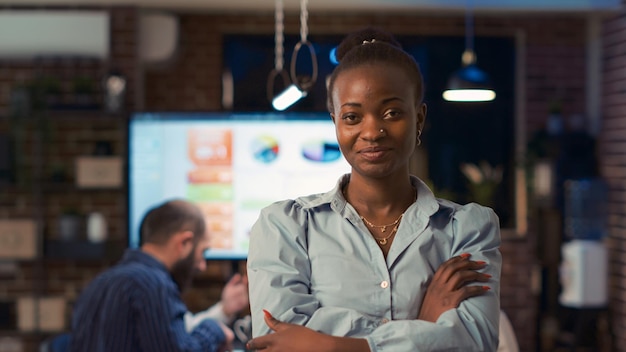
x,y
368,35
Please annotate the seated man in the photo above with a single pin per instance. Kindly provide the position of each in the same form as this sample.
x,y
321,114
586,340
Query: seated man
x,y
136,305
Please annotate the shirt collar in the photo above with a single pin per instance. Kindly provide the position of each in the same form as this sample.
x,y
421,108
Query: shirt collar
x,y
427,204
139,256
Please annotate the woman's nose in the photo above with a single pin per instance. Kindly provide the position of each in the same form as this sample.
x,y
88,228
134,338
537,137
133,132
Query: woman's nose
x,y
373,129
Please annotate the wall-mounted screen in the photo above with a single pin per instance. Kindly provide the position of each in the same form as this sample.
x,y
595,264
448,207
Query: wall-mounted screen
x,y
231,165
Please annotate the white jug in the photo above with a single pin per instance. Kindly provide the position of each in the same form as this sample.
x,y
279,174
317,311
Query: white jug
x,y
96,227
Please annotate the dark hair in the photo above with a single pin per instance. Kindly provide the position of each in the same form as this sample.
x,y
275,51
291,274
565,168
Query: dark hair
x,y
163,221
372,46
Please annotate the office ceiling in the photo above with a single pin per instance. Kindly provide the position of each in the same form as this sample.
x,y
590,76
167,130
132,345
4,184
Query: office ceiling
x,y
342,5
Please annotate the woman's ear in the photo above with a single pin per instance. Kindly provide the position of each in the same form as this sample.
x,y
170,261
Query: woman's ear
x,y
421,116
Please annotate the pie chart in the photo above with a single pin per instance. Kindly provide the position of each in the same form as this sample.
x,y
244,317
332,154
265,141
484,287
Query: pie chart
x,y
265,149
321,151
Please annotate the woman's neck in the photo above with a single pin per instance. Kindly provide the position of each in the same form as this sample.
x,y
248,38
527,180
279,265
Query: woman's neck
x,y
380,200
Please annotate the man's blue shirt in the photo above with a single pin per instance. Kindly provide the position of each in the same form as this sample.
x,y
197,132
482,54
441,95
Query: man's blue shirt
x,y
136,306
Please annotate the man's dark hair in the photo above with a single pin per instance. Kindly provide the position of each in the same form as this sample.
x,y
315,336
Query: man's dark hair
x,y
163,221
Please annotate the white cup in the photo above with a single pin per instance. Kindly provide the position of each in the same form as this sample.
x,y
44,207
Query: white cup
x,y
243,328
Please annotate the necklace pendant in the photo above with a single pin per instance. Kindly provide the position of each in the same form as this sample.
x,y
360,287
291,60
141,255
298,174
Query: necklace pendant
x,y
384,228
382,241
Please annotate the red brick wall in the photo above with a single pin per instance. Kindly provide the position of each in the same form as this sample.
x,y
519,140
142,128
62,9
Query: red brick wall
x,y
192,81
613,166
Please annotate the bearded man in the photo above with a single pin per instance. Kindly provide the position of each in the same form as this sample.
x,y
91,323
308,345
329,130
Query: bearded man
x,y
136,305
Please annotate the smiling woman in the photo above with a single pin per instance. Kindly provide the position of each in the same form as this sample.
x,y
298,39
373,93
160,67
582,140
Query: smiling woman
x,y
376,263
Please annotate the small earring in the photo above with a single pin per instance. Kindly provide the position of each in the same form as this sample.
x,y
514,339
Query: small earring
x,y
419,141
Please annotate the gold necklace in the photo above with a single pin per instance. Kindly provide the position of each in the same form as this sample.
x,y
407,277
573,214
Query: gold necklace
x,y
382,228
383,241
395,224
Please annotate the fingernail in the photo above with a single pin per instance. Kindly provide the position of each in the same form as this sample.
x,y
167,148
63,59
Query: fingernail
x,y
465,255
487,276
267,314
480,262
248,346
486,288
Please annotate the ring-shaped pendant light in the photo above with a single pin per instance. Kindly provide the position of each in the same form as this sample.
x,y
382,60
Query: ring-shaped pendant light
x,y
299,88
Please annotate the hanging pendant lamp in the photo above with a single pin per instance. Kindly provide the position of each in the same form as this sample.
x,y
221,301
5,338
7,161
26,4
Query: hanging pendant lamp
x,y
470,83
299,87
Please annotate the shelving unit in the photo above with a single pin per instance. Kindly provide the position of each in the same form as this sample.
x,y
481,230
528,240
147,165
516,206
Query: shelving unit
x,y
50,141
42,198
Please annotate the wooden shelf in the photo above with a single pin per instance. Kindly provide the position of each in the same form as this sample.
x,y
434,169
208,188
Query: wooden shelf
x,y
67,187
82,250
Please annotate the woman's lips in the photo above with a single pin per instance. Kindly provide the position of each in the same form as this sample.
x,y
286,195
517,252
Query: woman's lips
x,y
373,153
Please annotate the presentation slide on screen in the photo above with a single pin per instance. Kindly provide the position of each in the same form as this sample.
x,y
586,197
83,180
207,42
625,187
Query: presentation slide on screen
x,y
230,169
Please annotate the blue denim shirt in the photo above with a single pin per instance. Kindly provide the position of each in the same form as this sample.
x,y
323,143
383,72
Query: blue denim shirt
x,y
313,262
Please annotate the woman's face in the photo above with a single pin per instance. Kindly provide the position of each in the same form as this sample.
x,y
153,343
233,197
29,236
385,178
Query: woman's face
x,y
367,99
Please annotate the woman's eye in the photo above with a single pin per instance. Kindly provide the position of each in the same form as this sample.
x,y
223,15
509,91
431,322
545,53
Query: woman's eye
x,y
349,117
391,114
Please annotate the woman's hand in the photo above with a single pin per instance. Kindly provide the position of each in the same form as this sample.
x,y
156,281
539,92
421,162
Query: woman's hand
x,y
295,338
449,286
287,337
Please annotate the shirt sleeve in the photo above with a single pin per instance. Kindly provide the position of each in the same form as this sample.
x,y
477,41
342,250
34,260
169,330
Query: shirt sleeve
x,y
279,275
473,326
215,312
161,325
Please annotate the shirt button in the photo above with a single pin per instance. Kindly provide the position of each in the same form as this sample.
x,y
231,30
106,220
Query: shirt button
x,y
384,284
384,321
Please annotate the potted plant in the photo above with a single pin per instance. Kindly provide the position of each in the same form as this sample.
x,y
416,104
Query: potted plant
x,y
484,181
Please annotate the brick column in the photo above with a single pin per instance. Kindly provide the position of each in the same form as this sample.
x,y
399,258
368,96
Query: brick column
x,y
612,155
